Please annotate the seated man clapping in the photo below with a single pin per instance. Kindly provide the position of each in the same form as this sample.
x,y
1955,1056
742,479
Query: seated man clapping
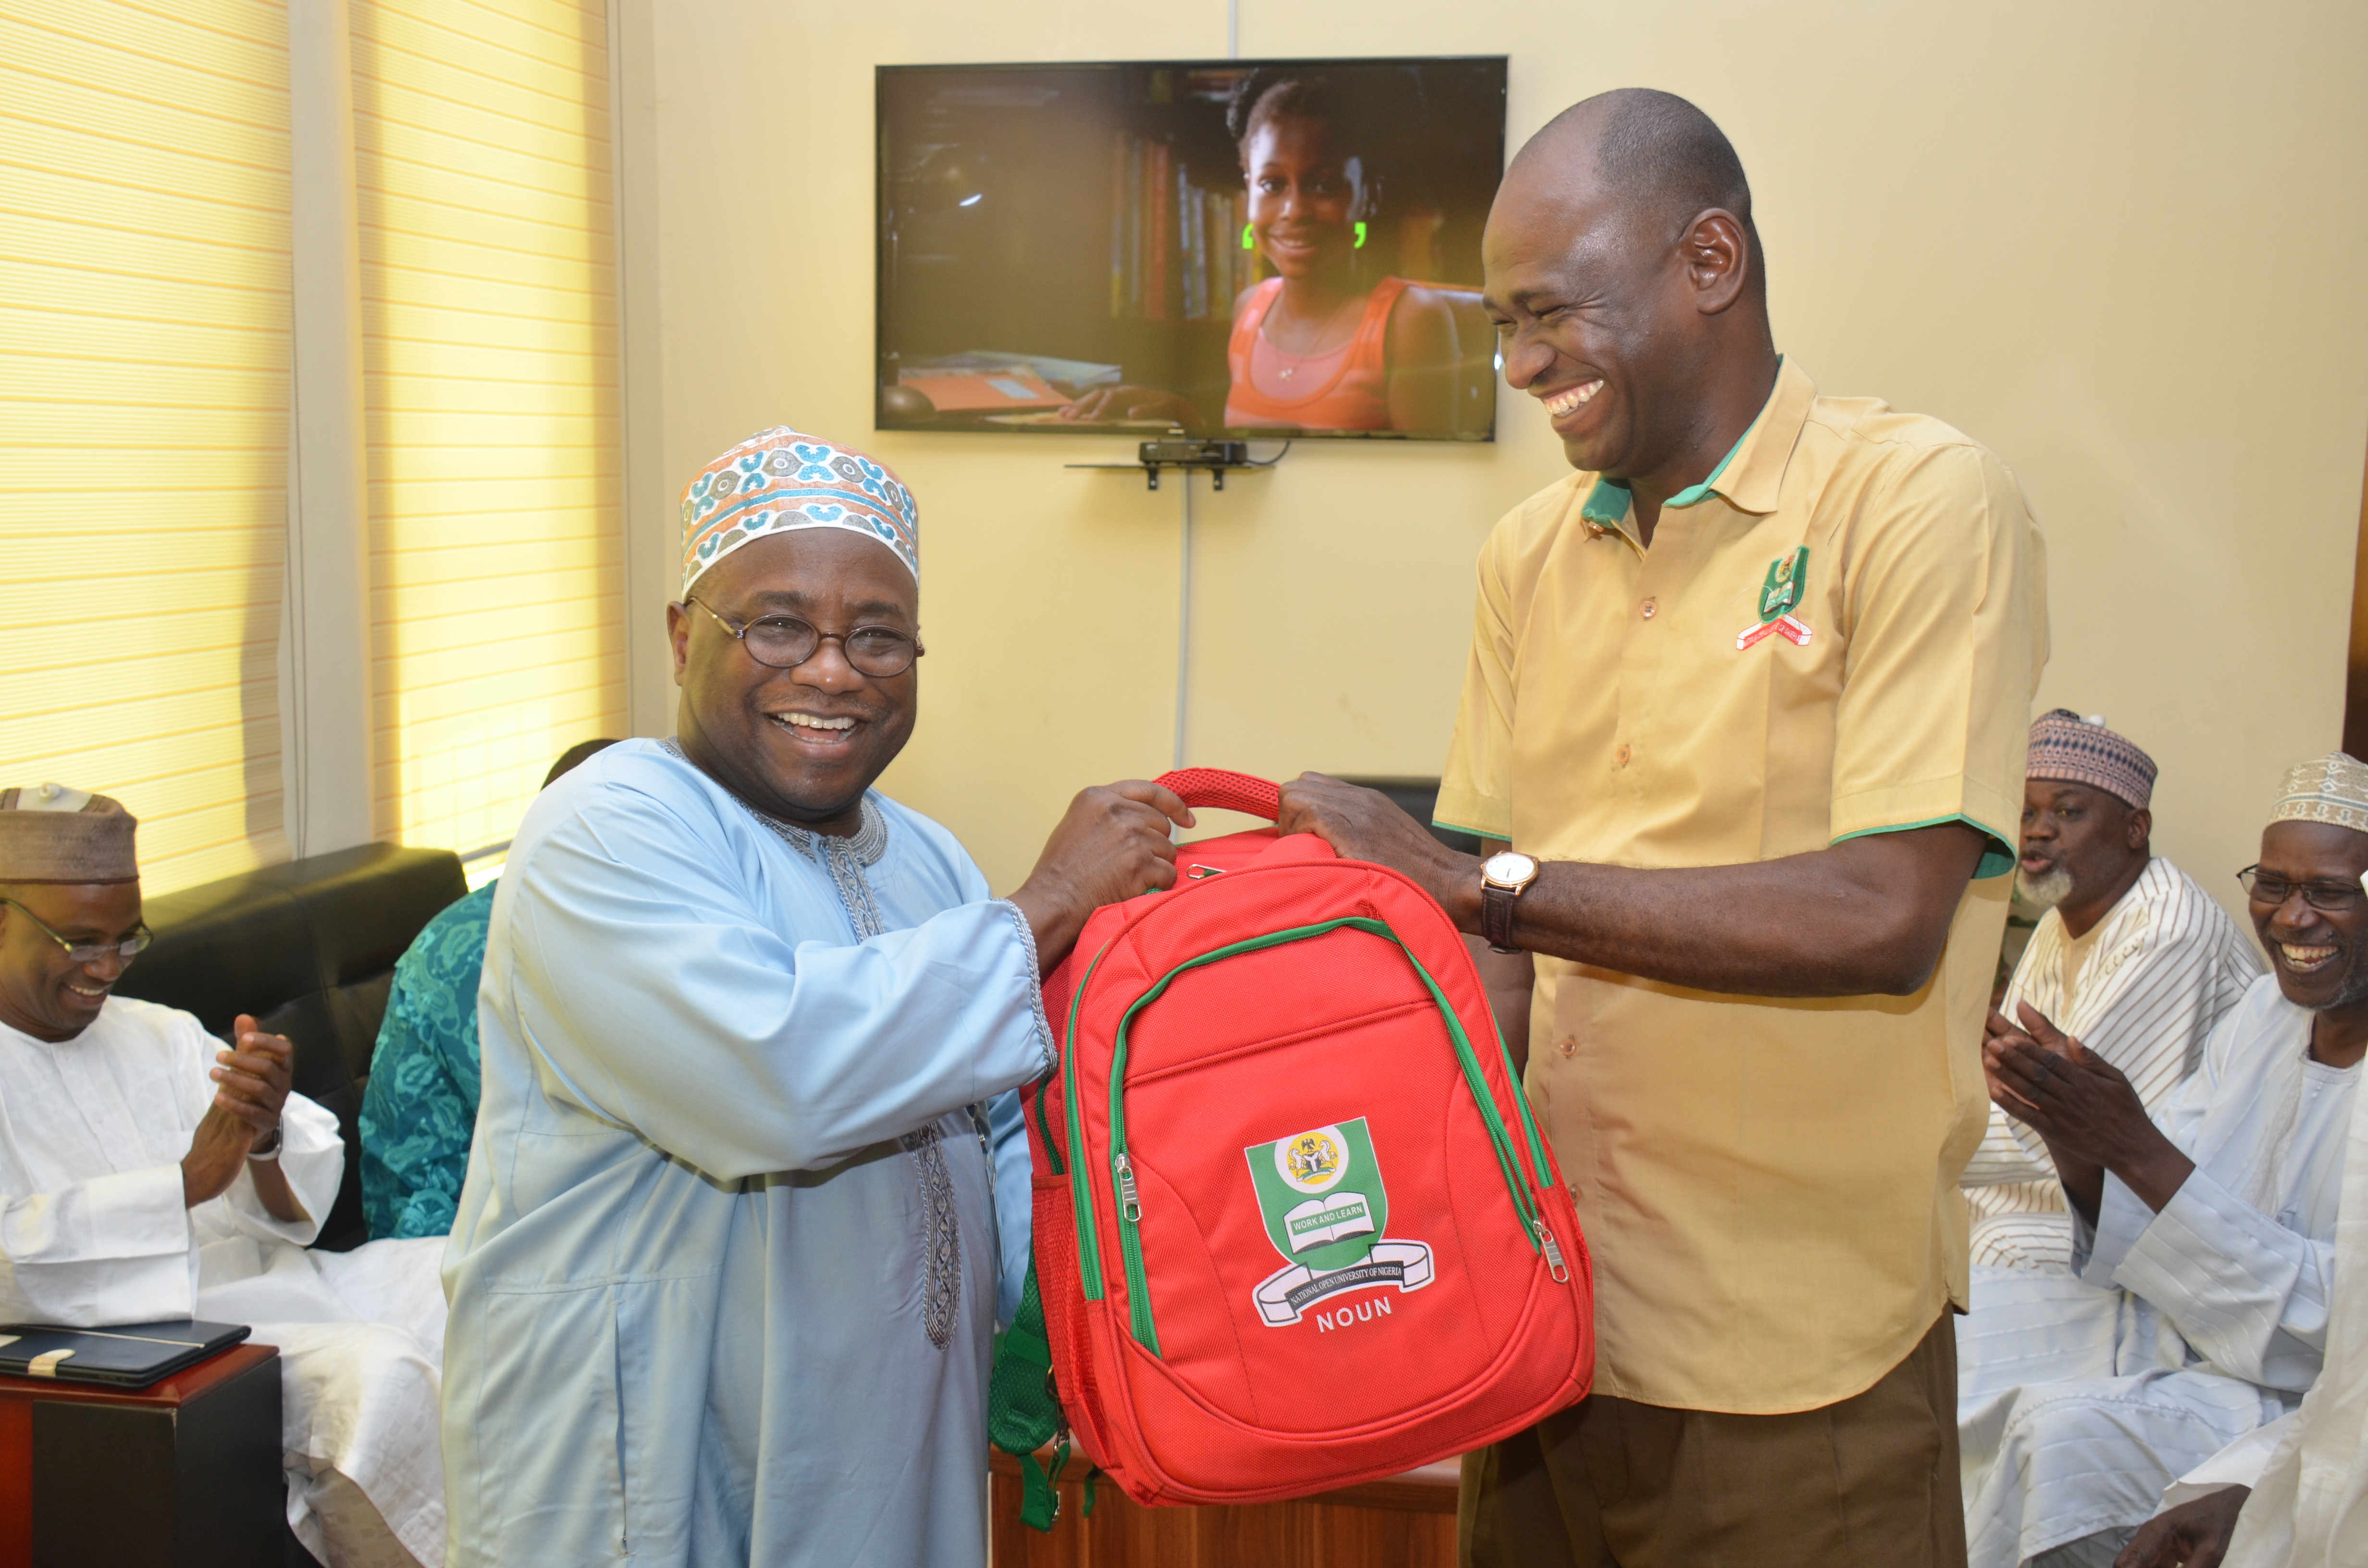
x,y
2132,956
148,1174
2203,1240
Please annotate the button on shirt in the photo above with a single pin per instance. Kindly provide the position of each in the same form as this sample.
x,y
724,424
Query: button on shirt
x,y
1846,624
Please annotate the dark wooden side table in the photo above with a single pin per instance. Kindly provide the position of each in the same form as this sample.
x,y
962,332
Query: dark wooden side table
x,y
184,1473
1408,1521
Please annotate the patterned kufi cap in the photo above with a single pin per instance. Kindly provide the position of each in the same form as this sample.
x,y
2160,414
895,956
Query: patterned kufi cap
x,y
781,480
2333,788
51,834
2066,747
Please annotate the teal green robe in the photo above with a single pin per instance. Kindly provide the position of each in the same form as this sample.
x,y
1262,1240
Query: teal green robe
x,y
420,1106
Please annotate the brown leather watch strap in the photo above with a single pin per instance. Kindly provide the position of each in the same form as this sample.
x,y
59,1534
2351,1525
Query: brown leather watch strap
x,y
1497,916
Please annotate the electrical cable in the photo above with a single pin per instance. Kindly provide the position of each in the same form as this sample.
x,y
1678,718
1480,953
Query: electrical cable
x,y
1184,624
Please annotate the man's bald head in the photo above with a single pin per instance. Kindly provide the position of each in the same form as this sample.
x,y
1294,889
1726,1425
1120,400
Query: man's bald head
x,y
1656,154
1623,275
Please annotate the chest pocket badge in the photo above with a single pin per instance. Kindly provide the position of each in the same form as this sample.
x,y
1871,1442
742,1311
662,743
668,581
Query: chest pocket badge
x,y
1779,592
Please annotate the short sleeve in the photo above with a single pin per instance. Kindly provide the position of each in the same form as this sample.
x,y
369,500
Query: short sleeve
x,y
1475,790
1945,599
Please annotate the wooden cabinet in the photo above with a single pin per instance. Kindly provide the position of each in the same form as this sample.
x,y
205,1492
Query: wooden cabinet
x,y
184,1473
1405,1522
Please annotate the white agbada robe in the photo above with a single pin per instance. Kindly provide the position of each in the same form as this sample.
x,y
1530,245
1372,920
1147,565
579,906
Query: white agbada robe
x,y
93,1231
2157,973
2309,1470
724,1276
2080,1397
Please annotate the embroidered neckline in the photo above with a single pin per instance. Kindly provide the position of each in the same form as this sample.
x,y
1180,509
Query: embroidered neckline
x,y
869,843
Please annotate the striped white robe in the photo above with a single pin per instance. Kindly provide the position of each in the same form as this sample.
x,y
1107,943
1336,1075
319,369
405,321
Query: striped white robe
x,y
2165,963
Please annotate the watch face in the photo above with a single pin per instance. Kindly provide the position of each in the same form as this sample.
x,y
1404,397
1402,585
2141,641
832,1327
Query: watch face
x,y
1508,868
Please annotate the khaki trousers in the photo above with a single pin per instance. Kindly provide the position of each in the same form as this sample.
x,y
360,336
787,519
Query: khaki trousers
x,y
1869,1482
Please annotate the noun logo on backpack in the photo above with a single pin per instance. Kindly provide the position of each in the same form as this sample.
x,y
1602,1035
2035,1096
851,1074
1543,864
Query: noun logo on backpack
x,y
1326,1209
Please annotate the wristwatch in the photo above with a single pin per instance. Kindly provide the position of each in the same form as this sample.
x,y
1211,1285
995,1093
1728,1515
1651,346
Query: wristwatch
x,y
1504,877
265,1148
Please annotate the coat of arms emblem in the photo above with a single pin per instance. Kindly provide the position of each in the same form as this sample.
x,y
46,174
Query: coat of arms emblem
x,y
1780,592
1325,1209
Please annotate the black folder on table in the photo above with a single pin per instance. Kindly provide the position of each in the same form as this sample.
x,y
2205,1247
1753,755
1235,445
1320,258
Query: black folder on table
x,y
129,1356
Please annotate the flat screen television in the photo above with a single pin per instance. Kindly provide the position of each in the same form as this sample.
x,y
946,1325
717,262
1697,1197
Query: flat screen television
x,y
1237,247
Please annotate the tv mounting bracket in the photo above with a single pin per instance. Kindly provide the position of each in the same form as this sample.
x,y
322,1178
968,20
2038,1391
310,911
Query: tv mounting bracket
x,y
1216,459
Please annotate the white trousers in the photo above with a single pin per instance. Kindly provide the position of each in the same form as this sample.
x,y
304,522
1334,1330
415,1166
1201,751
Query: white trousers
x,y
2064,1432
361,1351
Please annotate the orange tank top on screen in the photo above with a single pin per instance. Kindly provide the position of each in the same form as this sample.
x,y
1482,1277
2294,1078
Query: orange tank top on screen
x,y
1355,396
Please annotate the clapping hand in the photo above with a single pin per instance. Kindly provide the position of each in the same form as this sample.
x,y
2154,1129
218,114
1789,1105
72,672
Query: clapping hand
x,y
2082,1105
2041,1075
254,1077
252,1090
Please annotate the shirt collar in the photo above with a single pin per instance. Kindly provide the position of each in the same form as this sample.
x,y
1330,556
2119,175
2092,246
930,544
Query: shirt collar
x,y
1751,474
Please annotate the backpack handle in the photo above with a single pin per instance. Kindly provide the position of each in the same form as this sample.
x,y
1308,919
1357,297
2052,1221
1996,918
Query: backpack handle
x,y
1225,791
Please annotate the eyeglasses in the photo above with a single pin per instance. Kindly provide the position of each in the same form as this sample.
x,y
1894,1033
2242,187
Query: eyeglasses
x,y
129,946
783,643
2333,897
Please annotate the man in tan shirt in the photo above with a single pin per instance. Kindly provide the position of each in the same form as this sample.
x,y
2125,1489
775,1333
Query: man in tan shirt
x,y
1749,696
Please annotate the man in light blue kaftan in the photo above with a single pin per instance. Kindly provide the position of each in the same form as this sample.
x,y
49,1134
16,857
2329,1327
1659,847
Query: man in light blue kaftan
x,y
723,1275
674,973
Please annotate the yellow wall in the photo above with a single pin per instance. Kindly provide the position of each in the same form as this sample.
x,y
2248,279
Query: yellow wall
x,y
2118,243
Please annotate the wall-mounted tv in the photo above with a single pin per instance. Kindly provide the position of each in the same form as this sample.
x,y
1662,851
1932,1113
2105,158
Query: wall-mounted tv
x,y
1261,249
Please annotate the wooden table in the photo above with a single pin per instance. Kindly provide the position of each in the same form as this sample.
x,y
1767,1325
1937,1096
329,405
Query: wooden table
x,y
1408,1521
184,1473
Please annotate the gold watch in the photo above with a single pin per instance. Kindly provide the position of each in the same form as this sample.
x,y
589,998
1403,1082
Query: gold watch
x,y
1504,877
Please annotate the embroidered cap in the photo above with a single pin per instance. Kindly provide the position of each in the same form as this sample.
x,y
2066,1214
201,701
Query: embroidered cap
x,y
51,834
2332,788
781,480
2066,746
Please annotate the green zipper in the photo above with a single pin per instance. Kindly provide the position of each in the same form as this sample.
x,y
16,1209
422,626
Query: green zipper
x,y
1044,1125
1529,1123
1130,1212
1081,1195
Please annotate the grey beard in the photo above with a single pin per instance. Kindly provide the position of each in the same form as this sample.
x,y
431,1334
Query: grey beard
x,y
2355,991
2045,891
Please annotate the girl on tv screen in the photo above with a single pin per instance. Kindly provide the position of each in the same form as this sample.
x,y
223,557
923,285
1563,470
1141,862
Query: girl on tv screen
x,y
1327,343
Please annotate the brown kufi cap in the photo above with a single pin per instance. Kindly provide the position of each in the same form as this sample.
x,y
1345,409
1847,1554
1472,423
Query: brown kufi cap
x,y
2067,747
51,834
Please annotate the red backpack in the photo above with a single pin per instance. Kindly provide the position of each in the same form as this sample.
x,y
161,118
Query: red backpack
x,y
1295,1227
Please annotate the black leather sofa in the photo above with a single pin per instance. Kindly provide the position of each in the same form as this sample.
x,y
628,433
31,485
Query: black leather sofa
x,y
309,948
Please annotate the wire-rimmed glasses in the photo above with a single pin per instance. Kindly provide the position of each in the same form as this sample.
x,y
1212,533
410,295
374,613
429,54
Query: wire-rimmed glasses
x,y
784,642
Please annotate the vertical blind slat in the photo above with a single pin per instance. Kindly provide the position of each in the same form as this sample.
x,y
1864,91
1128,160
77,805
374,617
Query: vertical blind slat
x,y
124,226
480,685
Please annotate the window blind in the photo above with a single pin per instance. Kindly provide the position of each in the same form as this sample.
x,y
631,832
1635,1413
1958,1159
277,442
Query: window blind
x,y
482,152
143,387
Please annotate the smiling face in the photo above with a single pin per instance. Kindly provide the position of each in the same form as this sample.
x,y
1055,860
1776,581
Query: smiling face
x,y
43,992
1305,194
802,745
2320,956
1600,320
